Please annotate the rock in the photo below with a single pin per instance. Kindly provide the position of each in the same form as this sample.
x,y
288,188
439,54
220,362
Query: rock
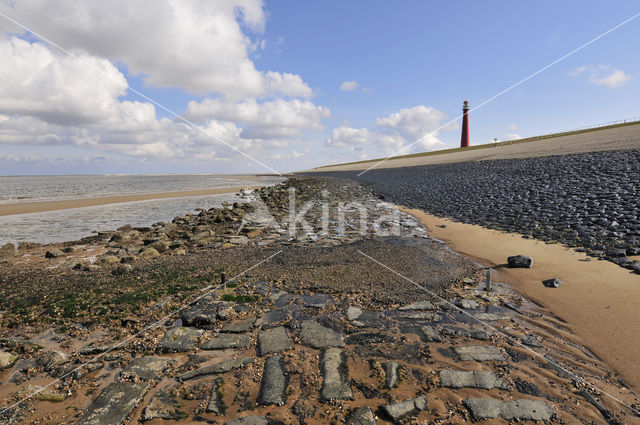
x,y
108,260
304,410
160,246
317,336
254,420
468,304
26,246
216,402
391,375
336,384
273,341
54,253
552,283
472,379
420,305
520,261
468,333
122,269
148,367
479,353
432,317
217,368
201,314
149,253
353,313
239,240
316,301
179,339
7,360
239,326
50,359
490,317
224,341
8,250
397,410
163,405
274,382
635,266
430,335
114,404
531,341
523,409
225,313
361,416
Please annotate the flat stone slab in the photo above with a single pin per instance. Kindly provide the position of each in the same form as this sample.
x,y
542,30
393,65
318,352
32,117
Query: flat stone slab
x,y
163,405
491,317
397,410
202,313
531,341
274,382
148,367
468,333
179,340
239,326
391,375
254,420
7,360
273,341
316,300
224,341
479,353
523,409
361,416
114,404
423,315
468,304
420,305
353,313
317,336
216,368
216,404
336,384
472,379
430,334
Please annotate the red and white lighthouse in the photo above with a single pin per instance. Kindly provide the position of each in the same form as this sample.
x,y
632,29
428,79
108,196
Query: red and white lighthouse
x,y
464,139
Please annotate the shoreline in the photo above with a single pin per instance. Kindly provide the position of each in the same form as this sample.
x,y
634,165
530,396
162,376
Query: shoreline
x,y
44,206
598,299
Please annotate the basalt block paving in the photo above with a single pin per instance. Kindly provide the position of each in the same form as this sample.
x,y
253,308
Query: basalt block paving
x,y
396,411
316,301
203,313
479,353
420,305
148,367
523,409
471,379
317,336
336,384
114,404
456,332
179,339
239,326
217,368
361,416
274,382
273,340
224,341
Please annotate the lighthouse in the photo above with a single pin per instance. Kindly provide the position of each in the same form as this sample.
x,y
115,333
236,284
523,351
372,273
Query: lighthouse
x,y
464,138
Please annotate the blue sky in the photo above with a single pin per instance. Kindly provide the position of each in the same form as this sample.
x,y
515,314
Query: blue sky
x,y
266,78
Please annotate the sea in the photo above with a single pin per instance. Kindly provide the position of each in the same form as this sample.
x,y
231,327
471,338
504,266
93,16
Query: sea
x,y
76,223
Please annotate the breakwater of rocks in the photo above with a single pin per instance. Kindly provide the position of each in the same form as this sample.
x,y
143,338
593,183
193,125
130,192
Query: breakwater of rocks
x,y
587,201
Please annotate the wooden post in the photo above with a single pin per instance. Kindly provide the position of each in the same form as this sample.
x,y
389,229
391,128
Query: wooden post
x,y
487,286
223,278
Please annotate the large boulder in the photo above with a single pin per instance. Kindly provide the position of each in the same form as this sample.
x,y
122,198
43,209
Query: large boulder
x,y
520,261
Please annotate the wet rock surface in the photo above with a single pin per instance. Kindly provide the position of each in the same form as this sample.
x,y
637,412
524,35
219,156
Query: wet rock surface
x,y
114,404
523,409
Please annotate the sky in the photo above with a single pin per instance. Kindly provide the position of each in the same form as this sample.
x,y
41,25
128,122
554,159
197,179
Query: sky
x,y
250,86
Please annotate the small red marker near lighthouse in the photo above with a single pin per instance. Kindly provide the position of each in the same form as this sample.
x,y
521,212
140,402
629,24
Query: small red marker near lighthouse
x,y
464,139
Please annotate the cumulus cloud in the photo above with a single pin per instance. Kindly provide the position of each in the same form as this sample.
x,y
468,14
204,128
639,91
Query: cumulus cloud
x,y
197,45
349,86
605,75
275,118
414,128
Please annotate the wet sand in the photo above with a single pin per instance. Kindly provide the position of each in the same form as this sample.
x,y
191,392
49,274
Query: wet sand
x,y
32,207
599,301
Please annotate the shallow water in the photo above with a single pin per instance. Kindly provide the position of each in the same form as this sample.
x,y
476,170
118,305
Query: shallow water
x,y
73,224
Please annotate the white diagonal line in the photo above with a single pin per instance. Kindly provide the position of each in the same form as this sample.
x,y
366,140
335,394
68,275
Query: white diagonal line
x,y
125,85
544,68
146,328
509,337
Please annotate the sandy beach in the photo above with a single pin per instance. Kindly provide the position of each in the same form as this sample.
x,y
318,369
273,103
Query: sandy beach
x,y
32,207
598,300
